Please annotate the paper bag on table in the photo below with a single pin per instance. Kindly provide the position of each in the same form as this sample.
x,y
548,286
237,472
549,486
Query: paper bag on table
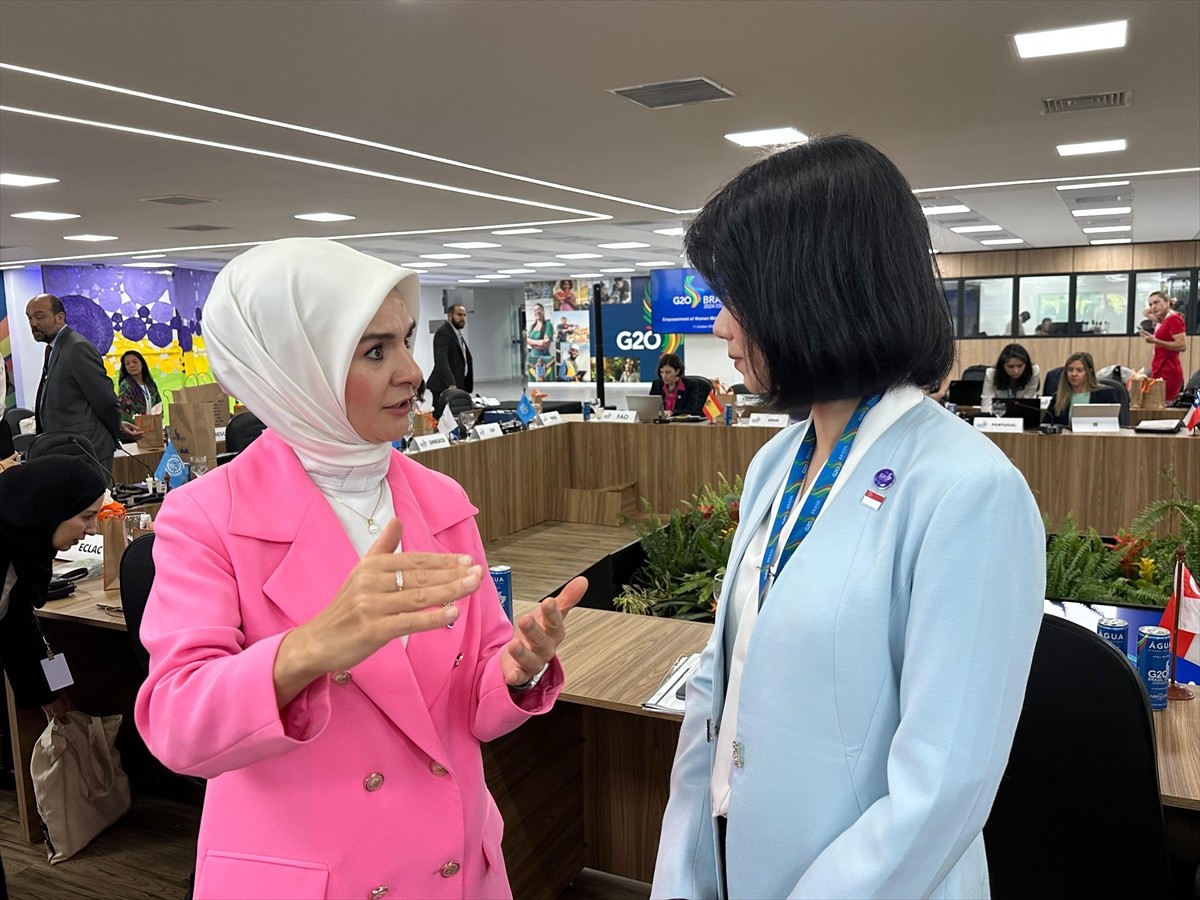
x,y
210,393
113,533
191,431
151,427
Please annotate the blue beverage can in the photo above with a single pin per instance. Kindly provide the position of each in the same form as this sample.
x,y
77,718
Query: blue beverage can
x,y
1116,632
1154,660
952,408
728,413
587,411
502,578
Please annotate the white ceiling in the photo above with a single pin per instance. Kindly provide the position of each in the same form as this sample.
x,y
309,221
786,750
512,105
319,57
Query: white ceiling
x,y
512,99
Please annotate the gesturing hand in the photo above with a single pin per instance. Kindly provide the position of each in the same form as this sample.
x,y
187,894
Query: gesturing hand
x,y
538,635
386,595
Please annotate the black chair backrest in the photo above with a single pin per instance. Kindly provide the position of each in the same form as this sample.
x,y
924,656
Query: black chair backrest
x,y
15,416
1050,381
1122,397
974,373
6,441
739,388
1082,776
137,576
1193,383
457,399
241,431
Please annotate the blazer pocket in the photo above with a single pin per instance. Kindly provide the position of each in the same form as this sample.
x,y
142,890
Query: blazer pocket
x,y
493,837
225,875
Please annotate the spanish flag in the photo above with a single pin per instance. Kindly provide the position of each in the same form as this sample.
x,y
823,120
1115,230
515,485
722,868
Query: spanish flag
x,y
713,410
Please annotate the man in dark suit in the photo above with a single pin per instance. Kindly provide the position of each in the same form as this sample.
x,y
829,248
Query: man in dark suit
x,y
452,366
75,394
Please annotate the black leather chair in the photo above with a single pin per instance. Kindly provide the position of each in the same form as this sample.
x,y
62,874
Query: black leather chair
x,y
1078,812
242,430
137,576
1122,397
739,388
974,373
1050,381
15,416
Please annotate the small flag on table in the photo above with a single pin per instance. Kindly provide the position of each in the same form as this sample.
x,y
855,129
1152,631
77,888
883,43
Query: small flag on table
x,y
447,423
1192,421
525,411
1186,645
713,409
171,468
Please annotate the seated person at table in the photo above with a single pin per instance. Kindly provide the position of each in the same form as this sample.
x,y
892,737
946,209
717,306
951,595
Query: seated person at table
x,y
138,394
1078,384
1014,375
680,398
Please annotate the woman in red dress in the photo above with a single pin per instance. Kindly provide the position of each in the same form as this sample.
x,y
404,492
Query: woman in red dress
x,y
1169,342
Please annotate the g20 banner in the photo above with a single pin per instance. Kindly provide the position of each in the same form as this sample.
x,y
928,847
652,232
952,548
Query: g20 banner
x,y
681,302
631,346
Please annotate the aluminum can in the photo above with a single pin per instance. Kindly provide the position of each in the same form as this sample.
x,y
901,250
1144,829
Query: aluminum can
x,y
728,413
952,408
1116,632
587,411
1154,662
502,578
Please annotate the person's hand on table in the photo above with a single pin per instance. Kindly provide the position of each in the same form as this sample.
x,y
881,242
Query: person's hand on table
x,y
131,431
538,635
386,595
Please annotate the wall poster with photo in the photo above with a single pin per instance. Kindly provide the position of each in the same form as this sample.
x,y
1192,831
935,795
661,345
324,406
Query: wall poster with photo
x,y
558,344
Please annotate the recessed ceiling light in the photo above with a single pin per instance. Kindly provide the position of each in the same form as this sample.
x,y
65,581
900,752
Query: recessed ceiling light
x,y
671,232
10,268
995,242
445,256
770,137
90,237
1094,184
423,265
484,277
499,275
148,265
1081,39
617,270
1090,147
7,178
579,256
472,245
1106,211
149,256
975,229
656,262
945,210
518,231
623,245
472,281
544,265
43,216
324,217
589,275
1098,241
516,271
1107,229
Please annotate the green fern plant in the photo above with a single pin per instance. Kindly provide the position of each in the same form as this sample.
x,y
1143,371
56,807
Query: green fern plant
x,y
1080,567
1181,510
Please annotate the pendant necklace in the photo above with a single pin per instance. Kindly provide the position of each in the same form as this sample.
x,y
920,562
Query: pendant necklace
x,y
370,520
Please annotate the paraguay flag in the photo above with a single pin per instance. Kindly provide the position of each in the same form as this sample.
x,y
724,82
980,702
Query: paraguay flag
x,y
1193,417
1186,646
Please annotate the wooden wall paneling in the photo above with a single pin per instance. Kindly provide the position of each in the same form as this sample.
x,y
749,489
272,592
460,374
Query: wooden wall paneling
x,y
948,265
1047,261
589,507
601,454
1051,352
989,264
1107,258
1166,255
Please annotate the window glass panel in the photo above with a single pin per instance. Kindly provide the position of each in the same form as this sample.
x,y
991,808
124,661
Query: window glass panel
x,y
950,292
1101,303
1043,297
1175,284
987,306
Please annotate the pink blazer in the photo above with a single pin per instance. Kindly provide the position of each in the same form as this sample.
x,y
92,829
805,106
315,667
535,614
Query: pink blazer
x,y
369,783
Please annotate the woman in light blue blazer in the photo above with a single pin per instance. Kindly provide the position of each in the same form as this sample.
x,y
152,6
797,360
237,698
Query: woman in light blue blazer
x,y
846,732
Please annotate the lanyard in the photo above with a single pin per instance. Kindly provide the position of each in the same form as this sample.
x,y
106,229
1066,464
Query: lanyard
x,y
816,497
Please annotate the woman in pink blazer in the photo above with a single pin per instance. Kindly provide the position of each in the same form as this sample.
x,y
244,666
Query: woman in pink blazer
x,y
333,685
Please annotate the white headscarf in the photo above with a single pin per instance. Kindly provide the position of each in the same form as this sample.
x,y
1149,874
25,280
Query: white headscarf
x,y
281,325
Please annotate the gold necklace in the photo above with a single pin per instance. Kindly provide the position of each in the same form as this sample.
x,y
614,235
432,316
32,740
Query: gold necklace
x,y
370,520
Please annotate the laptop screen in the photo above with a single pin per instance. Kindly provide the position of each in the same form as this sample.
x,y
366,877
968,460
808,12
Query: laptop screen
x,y
647,408
1028,409
965,393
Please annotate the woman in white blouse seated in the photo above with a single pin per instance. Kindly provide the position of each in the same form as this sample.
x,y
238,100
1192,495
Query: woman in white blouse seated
x,y
1014,375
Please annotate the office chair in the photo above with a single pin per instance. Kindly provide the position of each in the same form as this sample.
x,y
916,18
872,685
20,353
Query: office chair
x,y
739,388
240,433
1122,397
17,442
974,373
137,576
1050,381
1082,778
15,416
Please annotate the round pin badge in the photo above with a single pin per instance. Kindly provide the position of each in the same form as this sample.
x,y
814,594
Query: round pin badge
x,y
884,479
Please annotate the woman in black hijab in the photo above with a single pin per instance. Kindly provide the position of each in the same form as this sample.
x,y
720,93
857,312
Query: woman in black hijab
x,y
46,505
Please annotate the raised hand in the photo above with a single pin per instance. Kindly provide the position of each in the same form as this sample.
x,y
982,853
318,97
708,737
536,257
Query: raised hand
x,y
539,634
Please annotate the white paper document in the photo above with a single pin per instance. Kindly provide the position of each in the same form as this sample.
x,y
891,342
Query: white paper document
x,y
664,699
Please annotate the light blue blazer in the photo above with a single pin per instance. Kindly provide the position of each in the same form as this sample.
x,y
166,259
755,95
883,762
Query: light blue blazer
x,y
882,684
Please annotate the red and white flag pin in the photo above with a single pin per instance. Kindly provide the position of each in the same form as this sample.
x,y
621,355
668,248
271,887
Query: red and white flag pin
x,y
873,500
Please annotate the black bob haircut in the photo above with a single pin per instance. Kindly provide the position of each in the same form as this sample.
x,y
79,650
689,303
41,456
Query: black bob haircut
x,y
822,255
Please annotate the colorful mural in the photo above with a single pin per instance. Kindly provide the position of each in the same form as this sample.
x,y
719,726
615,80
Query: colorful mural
x,y
10,391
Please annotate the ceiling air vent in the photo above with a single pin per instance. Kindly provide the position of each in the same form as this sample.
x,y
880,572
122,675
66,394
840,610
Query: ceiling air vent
x,y
665,94
1111,100
199,228
177,200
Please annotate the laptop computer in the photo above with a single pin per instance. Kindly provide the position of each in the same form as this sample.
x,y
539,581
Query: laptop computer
x,y
1096,418
1027,409
965,393
648,408
1159,426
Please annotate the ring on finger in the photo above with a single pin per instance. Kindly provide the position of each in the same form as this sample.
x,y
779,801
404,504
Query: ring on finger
x,y
399,580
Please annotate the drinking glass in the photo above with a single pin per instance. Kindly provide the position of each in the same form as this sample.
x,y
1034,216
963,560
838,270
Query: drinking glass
x,y
597,407
198,464
999,408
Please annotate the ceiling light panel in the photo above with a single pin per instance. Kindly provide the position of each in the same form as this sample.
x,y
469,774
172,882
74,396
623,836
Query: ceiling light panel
x,y
623,245
148,265
588,275
1107,211
975,229
13,180
90,237
445,256
1092,185
1081,39
518,231
472,245
324,217
1101,241
544,265
516,271
768,137
999,242
1087,147
617,270
42,216
424,265
579,256
671,232
949,209
1107,229
656,263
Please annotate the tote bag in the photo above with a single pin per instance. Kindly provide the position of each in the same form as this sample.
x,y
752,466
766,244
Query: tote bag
x,y
78,781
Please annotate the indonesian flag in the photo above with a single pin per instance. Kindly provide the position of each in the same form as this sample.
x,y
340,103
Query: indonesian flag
x,y
713,410
1186,646
1193,418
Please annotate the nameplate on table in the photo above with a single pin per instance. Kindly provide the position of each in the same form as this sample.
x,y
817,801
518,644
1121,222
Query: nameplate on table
x,y
489,402
550,418
770,420
91,545
983,423
619,415
220,432
425,442
490,430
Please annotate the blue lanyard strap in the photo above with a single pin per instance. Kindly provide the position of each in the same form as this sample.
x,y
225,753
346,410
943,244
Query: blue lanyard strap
x,y
816,497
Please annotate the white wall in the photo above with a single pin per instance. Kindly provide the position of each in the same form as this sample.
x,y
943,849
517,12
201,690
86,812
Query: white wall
x,y
488,331
21,286
705,355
